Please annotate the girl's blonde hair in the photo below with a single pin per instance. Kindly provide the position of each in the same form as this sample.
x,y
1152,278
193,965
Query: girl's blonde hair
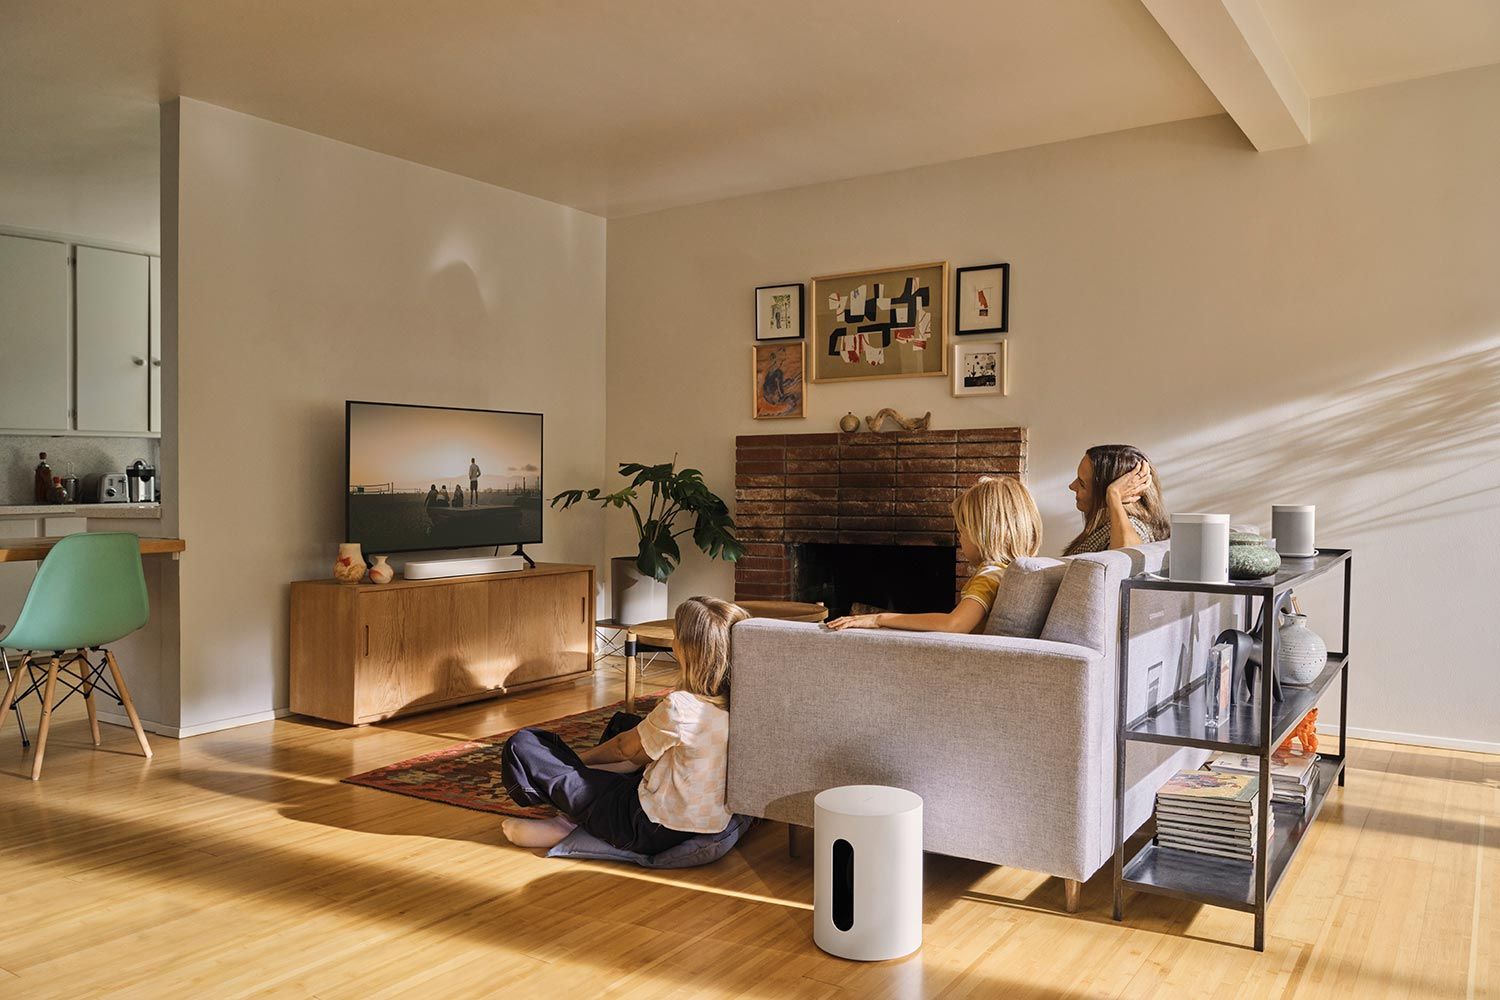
x,y
1000,518
702,626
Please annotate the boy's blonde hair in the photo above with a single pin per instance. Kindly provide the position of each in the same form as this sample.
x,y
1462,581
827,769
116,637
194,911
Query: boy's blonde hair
x,y
702,626
999,516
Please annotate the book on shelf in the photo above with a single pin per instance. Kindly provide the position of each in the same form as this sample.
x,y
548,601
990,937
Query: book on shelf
x,y
1292,775
1210,812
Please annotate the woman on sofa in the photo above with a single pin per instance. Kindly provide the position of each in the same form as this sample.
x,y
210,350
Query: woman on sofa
x,y
1119,495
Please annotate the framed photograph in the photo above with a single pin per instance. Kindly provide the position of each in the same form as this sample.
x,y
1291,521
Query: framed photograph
x,y
886,323
981,299
778,312
779,387
981,369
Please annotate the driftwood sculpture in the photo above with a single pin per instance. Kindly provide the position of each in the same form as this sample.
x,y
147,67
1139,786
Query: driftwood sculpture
x,y
906,424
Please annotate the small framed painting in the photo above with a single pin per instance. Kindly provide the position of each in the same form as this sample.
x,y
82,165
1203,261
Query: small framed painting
x,y
779,386
981,299
778,312
883,323
981,369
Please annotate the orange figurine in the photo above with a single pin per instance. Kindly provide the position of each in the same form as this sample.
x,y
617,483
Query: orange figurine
x,y
1306,733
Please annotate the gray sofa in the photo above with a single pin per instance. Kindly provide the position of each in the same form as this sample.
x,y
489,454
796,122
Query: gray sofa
x,y
1009,739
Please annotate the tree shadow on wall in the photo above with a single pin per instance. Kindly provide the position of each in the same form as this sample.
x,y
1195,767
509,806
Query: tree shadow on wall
x,y
1434,416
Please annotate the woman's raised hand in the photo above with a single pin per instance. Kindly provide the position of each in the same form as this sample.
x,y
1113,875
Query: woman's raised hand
x,y
1130,487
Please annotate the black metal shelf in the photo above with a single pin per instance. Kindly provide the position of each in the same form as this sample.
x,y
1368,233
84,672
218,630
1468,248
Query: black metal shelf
x,y
1254,727
1180,722
1227,882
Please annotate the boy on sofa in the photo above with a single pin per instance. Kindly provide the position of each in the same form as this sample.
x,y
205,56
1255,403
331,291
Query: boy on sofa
x,y
997,522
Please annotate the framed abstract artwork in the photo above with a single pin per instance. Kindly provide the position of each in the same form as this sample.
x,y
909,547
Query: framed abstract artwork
x,y
778,312
981,369
981,299
886,323
779,386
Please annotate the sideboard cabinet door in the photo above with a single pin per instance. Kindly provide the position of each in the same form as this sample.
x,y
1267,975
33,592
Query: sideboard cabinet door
x,y
418,645
540,628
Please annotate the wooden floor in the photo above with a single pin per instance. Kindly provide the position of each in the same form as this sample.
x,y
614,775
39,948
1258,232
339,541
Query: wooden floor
x,y
236,865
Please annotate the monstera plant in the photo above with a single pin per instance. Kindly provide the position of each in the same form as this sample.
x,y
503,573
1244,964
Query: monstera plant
x,y
675,494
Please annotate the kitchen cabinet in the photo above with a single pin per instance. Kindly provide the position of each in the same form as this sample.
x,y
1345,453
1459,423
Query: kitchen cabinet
x,y
112,325
154,347
34,287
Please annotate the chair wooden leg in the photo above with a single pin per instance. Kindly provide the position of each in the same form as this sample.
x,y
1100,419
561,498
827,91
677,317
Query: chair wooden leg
x,y
41,735
10,694
86,678
135,720
1072,891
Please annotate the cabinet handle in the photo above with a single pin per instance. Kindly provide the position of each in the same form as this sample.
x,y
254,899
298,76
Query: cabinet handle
x,y
367,640
583,609
156,362
138,361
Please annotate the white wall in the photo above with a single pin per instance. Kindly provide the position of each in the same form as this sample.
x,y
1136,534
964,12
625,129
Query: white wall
x,y
1318,325
307,272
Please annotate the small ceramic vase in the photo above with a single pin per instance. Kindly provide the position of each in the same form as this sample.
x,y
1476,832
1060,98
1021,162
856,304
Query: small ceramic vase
x,y
1250,558
1301,653
849,423
381,572
349,567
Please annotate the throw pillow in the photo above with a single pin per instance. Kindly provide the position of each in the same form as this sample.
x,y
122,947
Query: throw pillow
x,y
1027,589
703,849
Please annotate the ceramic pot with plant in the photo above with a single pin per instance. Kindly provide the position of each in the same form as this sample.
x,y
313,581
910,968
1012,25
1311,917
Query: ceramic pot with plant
x,y
349,567
639,582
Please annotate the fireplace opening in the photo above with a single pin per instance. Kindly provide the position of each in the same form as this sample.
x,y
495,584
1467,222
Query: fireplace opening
x,y
907,578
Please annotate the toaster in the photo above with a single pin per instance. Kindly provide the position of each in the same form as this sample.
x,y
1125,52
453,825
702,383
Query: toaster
x,y
113,488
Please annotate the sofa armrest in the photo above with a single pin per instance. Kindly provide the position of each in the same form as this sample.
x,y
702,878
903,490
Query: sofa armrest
x,y
989,730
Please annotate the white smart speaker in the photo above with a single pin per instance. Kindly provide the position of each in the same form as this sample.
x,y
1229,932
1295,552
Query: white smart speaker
x,y
867,872
1294,527
1200,548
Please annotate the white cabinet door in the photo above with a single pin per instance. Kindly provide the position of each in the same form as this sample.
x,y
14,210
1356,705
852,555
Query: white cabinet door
x,y
155,346
34,286
111,291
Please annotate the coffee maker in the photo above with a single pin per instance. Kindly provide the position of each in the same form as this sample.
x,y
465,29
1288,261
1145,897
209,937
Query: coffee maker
x,y
140,481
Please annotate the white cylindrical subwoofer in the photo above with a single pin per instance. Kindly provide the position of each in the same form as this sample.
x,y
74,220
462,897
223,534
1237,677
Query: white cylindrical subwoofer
x,y
1200,548
867,872
1293,526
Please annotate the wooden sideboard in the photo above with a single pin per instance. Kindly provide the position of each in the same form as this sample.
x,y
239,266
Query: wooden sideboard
x,y
362,653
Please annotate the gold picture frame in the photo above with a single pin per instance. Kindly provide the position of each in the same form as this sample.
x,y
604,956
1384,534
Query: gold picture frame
x,y
859,324
778,381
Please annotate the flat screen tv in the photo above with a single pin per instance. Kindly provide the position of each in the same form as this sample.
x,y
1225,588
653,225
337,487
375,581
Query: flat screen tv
x,y
440,477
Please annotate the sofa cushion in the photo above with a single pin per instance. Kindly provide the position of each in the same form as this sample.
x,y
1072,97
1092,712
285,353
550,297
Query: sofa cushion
x,y
1025,596
700,850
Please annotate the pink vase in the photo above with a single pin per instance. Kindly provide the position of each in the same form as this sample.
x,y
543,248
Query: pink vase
x,y
349,567
381,572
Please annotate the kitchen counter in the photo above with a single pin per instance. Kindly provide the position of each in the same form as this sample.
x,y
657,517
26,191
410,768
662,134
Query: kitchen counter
x,y
137,510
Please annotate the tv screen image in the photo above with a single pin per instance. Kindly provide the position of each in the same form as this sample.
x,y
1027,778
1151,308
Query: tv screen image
x,y
434,477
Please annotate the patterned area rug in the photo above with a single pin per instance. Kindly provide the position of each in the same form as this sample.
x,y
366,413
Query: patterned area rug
x,y
468,774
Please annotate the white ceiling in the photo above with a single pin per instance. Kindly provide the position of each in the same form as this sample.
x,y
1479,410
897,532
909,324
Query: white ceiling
x,y
621,107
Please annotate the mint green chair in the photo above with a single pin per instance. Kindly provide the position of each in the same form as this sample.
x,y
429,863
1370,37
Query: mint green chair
x,y
89,592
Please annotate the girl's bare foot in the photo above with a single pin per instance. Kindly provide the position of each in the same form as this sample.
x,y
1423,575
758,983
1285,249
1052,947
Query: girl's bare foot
x,y
536,832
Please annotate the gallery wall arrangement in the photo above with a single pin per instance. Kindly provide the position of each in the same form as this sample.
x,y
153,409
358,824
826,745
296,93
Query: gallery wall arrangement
x,y
881,323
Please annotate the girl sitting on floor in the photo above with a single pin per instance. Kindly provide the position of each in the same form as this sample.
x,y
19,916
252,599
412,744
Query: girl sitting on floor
x,y
997,522
683,746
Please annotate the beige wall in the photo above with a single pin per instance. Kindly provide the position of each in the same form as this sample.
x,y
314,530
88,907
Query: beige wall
x,y
307,272
1316,325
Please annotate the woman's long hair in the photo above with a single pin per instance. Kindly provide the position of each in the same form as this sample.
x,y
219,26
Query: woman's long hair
x,y
1110,462
702,626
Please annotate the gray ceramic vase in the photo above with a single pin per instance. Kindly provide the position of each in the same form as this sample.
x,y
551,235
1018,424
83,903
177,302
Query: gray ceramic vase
x,y
1250,558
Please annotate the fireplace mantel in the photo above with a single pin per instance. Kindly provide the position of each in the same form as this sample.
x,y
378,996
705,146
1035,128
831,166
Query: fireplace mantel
x,y
856,489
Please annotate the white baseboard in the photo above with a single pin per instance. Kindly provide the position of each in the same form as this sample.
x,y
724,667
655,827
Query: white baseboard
x,y
183,732
1412,739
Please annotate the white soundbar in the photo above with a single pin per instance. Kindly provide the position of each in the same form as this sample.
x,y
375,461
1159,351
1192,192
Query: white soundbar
x,y
435,569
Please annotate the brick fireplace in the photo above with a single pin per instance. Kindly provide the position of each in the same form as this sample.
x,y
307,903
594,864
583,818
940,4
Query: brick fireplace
x,y
863,489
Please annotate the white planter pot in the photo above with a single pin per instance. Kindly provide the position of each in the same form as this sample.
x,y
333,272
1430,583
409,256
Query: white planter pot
x,y
635,597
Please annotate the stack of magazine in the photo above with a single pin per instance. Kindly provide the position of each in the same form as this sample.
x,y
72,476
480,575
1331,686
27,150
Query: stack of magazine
x,y
1291,774
1209,812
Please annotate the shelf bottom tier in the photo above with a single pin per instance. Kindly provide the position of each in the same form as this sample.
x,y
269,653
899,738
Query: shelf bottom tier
x,y
1226,882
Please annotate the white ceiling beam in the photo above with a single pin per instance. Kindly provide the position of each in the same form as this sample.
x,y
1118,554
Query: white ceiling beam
x,y
1231,46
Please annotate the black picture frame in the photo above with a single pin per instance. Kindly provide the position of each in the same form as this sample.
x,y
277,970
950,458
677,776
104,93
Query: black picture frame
x,y
800,309
958,300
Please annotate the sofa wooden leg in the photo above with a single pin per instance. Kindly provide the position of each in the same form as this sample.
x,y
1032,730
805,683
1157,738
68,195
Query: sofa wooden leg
x,y
1072,891
796,840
